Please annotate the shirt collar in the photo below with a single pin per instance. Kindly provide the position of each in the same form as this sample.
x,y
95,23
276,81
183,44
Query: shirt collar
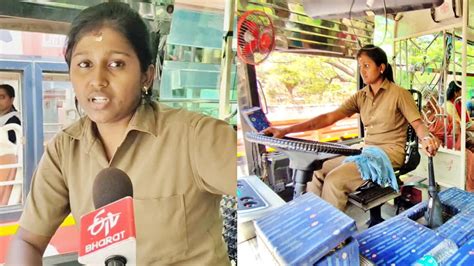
x,y
144,119
385,85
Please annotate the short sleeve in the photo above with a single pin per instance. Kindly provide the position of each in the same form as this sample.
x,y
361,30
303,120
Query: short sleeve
x,y
407,106
213,152
11,133
47,203
350,106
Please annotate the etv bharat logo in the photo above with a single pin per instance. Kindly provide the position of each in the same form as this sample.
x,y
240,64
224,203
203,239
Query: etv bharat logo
x,y
106,222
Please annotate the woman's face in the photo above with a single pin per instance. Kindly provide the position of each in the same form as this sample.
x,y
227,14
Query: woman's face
x,y
106,76
457,94
6,102
369,71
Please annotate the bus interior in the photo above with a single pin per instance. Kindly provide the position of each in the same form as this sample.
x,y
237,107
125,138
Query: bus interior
x,y
191,72
311,70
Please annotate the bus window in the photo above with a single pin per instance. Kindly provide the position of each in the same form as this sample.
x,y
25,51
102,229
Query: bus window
x,y
59,109
11,154
298,87
191,76
24,55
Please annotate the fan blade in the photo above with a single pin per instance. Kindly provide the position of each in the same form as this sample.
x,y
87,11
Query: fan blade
x,y
266,42
250,47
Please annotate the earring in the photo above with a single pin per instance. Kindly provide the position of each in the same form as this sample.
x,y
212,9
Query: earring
x,y
145,90
381,72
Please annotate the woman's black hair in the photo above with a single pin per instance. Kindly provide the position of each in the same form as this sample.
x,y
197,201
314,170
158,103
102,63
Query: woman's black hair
x,y
118,16
10,91
452,89
379,57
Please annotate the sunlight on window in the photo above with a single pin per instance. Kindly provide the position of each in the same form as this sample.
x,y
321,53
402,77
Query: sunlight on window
x,y
298,87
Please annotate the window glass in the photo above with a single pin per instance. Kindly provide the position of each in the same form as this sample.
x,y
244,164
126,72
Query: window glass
x,y
11,154
24,44
59,110
191,73
298,87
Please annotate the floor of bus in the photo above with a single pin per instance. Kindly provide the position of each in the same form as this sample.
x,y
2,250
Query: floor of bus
x,y
361,217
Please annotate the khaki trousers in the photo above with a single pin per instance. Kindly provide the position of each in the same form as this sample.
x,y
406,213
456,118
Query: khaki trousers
x,y
335,181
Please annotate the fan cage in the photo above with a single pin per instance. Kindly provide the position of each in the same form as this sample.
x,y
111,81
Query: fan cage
x,y
255,37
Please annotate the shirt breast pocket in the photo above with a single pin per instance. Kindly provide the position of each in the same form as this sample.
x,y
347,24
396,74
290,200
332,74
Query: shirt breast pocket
x,y
385,114
161,229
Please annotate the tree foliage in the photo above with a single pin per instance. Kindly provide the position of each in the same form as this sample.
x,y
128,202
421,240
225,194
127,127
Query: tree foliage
x,y
304,79
290,79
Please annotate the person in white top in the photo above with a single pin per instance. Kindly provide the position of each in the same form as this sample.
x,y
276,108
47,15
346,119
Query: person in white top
x,y
8,112
9,122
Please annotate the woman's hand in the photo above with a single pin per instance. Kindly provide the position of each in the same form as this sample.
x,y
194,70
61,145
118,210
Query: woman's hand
x,y
275,132
430,146
429,143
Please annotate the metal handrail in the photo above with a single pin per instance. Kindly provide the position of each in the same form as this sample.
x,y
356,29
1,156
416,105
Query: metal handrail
x,y
10,166
10,183
454,119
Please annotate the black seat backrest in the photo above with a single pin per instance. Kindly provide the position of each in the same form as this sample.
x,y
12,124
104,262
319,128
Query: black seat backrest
x,y
412,155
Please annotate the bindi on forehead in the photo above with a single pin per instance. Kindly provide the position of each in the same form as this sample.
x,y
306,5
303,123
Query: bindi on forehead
x,y
98,35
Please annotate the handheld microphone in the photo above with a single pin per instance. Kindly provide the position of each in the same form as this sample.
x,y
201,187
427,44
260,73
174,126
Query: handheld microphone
x,y
107,234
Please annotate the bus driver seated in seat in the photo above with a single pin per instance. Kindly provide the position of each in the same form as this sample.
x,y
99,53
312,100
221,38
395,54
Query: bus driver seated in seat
x,y
385,109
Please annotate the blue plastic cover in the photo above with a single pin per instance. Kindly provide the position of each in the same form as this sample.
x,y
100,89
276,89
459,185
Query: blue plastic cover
x,y
303,231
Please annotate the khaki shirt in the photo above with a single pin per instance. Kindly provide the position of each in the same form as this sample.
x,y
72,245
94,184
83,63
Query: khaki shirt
x,y
179,162
385,117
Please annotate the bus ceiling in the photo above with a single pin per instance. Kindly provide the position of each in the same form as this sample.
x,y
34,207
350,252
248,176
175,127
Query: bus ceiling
x,y
54,16
340,28
428,21
36,17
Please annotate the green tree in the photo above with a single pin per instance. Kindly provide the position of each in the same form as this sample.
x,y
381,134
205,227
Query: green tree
x,y
306,79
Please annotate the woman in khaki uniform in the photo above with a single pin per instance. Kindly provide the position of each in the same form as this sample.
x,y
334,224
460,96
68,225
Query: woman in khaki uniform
x,y
179,162
384,108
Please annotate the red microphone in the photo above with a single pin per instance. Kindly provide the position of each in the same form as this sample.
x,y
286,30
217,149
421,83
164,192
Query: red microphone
x,y
108,233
